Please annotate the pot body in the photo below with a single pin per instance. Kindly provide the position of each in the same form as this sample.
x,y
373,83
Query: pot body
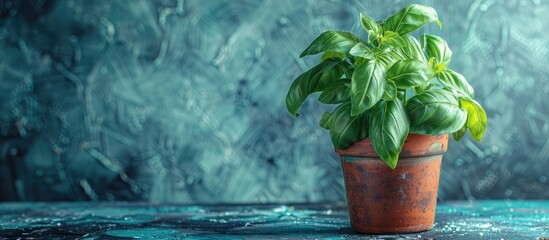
x,y
400,200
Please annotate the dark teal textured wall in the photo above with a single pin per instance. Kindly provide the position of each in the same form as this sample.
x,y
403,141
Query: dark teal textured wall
x,y
183,101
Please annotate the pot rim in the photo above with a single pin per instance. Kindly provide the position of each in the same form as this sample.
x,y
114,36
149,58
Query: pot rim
x,y
415,145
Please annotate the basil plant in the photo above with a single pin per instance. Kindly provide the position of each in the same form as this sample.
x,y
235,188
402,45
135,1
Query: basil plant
x,y
388,85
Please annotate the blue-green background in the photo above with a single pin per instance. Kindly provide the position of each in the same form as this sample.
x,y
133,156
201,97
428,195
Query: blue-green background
x,y
183,101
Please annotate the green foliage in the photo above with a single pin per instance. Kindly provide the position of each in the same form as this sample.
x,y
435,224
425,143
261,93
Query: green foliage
x,y
412,49
435,112
408,73
332,41
389,126
329,55
392,38
367,85
476,117
337,92
458,135
363,50
314,80
411,18
437,49
325,120
388,86
346,129
455,81
373,29
390,92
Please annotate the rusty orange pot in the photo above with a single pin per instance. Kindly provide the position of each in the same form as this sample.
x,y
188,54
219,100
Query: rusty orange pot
x,y
400,200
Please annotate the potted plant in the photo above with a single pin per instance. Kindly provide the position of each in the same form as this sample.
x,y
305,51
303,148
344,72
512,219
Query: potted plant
x,y
397,101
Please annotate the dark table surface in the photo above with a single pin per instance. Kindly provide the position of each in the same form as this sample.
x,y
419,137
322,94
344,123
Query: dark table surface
x,y
85,220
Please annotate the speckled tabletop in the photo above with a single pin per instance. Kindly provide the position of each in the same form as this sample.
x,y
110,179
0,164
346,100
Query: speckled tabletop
x,y
84,220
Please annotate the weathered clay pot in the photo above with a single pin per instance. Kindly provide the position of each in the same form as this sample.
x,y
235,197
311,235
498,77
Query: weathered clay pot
x,y
400,200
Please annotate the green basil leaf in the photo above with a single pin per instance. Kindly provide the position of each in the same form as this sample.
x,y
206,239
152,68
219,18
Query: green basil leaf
x,y
367,85
347,67
332,41
325,120
412,49
358,61
435,112
389,126
336,92
425,87
393,39
390,91
385,55
455,81
383,50
346,129
387,60
460,133
362,50
437,48
335,55
370,26
397,55
314,80
411,18
372,36
476,117
408,73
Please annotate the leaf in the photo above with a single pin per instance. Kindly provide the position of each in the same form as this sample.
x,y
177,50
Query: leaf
x,y
408,73
336,55
362,50
476,117
387,59
358,61
389,126
385,55
455,81
346,66
332,41
382,50
370,26
390,91
372,36
397,55
437,48
412,49
435,112
336,92
393,39
314,80
402,96
424,87
325,120
367,85
346,129
411,18
460,133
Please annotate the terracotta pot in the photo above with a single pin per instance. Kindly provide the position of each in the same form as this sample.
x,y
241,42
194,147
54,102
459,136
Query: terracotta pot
x,y
400,200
